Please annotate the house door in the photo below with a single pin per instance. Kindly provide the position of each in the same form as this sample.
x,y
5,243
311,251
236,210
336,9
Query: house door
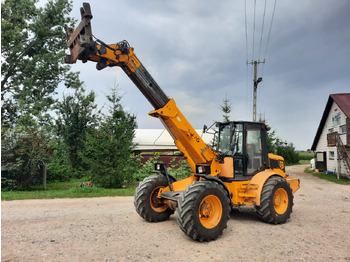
x,y
321,161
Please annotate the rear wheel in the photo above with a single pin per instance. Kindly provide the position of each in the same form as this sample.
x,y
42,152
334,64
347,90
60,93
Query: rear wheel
x,y
146,201
203,210
276,202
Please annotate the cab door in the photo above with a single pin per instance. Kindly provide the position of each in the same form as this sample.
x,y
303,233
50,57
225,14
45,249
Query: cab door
x,y
255,139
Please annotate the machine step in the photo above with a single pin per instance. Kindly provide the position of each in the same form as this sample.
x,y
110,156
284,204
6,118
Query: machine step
x,y
171,195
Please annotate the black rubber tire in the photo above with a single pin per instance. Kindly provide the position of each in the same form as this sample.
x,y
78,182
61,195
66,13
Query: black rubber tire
x,y
189,214
143,197
266,211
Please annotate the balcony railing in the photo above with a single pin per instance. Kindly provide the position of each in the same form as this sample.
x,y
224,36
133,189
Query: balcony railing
x,y
333,139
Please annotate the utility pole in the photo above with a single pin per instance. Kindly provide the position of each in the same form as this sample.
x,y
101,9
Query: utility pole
x,y
256,82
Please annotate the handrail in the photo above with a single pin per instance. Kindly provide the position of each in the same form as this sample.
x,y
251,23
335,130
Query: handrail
x,y
337,141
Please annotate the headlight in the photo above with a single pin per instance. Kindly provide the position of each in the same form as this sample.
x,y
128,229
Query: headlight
x,y
201,169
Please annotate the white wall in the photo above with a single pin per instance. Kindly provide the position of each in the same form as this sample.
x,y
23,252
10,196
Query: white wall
x,y
332,164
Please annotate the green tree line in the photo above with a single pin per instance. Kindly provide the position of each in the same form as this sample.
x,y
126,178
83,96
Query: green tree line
x,y
70,135
279,147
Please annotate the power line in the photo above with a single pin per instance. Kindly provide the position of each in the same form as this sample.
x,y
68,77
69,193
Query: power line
x,y
262,30
246,30
246,49
254,28
254,61
269,35
268,38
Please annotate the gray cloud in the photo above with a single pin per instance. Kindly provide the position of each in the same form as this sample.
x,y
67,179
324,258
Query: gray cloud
x,y
196,51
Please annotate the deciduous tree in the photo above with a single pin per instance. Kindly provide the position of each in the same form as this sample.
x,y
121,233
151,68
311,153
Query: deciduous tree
x,y
33,45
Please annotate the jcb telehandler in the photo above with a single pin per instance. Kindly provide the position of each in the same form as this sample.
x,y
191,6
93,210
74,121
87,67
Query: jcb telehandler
x,y
239,173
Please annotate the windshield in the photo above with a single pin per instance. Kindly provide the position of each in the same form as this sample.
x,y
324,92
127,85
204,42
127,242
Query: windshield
x,y
230,139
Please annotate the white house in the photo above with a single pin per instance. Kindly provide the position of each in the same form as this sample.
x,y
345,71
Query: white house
x,y
332,141
159,140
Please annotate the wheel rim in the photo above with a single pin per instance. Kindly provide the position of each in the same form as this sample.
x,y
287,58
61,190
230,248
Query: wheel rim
x,y
280,201
157,204
210,211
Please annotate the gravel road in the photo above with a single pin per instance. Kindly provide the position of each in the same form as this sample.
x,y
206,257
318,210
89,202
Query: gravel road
x,y
109,229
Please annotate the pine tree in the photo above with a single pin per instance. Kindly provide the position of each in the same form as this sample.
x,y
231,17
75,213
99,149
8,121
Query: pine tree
x,y
226,108
108,147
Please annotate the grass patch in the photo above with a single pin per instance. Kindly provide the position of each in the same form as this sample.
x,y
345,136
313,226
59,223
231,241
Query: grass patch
x,y
304,162
306,156
70,189
330,177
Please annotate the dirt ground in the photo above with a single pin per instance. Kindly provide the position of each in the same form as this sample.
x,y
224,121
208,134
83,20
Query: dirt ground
x,y
109,229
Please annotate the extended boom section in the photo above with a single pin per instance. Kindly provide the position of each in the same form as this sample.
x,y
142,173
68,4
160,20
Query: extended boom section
x,y
83,47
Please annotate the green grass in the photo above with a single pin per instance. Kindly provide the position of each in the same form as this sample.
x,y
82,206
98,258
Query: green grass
x,y
330,177
304,162
70,189
306,156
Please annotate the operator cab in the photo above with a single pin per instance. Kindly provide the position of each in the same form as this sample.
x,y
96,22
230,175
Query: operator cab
x,y
243,149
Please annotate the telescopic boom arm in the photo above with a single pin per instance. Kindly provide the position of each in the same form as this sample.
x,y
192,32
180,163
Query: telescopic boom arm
x,y
83,47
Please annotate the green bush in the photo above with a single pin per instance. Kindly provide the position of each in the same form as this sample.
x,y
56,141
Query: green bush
x,y
145,170
59,168
180,169
107,160
22,154
288,153
8,184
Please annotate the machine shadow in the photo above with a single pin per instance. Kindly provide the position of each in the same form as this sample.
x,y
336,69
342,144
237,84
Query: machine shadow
x,y
244,216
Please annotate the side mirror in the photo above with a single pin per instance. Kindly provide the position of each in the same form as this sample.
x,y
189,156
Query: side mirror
x,y
205,129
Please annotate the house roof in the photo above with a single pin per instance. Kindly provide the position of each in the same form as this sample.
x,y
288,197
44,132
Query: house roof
x,y
160,139
343,101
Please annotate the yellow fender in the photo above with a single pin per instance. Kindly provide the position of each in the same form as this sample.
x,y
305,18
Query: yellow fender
x,y
259,180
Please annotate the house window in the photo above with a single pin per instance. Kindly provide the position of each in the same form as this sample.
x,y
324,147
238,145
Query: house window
x,y
320,157
331,155
331,130
336,119
342,129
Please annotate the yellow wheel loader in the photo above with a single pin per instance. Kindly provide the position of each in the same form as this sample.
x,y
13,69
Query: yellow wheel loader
x,y
237,173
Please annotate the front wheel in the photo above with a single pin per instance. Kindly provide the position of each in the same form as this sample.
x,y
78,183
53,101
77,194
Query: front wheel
x,y
146,200
276,202
203,210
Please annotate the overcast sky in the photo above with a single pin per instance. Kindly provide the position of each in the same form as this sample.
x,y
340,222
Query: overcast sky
x,y
196,51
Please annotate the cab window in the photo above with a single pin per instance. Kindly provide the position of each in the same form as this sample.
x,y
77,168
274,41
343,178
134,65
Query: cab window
x,y
231,139
254,151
